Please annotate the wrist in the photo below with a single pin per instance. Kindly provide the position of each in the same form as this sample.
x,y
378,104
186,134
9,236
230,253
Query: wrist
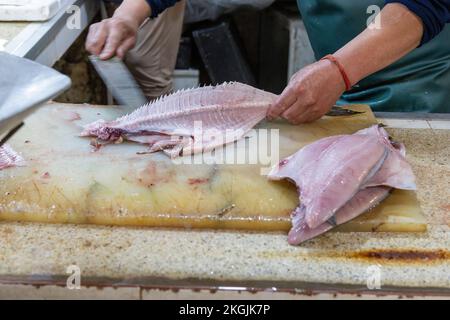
x,y
334,75
353,66
133,11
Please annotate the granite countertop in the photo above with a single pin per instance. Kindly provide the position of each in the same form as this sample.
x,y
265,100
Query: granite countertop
x,y
121,256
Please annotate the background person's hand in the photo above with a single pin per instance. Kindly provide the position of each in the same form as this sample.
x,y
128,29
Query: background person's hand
x,y
310,94
112,37
116,35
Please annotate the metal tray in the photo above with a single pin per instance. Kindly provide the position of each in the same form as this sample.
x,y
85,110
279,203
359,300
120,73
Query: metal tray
x,y
24,85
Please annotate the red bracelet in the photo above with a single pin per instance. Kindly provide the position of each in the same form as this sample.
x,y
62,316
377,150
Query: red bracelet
x,y
348,84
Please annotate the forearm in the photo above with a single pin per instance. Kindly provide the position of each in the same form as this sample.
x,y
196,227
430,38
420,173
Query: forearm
x,y
376,48
135,10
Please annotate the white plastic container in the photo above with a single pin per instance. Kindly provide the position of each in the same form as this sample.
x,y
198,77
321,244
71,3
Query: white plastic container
x,y
28,10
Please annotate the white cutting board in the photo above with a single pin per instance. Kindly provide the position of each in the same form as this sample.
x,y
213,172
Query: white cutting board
x,y
65,181
28,10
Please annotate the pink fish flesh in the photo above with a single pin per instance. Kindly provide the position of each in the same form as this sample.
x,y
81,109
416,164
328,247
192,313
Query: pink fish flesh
x,y
341,177
189,121
10,158
363,201
342,168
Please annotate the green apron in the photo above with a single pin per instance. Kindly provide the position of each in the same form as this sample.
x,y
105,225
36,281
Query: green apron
x,y
419,82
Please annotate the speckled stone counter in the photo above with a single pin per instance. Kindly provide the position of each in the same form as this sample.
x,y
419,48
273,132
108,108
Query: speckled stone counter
x,y
39,253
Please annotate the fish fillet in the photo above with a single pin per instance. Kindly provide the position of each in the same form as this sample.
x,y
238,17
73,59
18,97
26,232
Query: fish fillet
x,y
341,177
10,158
189,121
338,175
363,201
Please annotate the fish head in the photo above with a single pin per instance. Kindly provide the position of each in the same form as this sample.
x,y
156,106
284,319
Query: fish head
x,y
92,129
102,131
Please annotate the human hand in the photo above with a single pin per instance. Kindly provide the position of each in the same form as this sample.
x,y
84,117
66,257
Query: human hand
x,y
112,37
117,35
310,94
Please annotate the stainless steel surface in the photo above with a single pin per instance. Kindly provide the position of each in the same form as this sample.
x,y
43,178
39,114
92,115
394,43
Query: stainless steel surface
x,y
24,85
119,82
46,42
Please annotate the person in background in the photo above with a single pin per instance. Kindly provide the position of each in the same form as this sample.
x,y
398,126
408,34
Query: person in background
x,y
400,62
147,41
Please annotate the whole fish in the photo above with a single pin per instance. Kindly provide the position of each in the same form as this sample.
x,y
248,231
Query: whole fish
x,y
189,121
341,177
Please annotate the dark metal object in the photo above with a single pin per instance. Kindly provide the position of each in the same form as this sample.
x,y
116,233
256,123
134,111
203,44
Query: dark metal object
x,y
120,82
221,55
184,56
295,288
340,111
10,134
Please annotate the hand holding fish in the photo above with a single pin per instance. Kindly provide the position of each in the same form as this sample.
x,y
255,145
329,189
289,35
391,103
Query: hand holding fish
x,y
310,94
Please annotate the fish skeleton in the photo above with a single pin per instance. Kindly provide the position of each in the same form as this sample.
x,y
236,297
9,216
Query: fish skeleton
x,y
10,158
189,121
341,177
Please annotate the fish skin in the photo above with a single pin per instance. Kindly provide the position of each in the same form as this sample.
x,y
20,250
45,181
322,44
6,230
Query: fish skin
x,y
299,168
233,108
10,158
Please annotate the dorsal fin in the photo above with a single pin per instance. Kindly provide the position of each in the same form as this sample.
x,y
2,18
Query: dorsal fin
x,y
230,93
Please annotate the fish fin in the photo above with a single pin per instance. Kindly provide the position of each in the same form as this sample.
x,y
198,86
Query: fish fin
x,y
396,172
300,231
181,147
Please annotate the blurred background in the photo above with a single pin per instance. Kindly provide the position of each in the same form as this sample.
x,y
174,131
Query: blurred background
x,y
259,42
